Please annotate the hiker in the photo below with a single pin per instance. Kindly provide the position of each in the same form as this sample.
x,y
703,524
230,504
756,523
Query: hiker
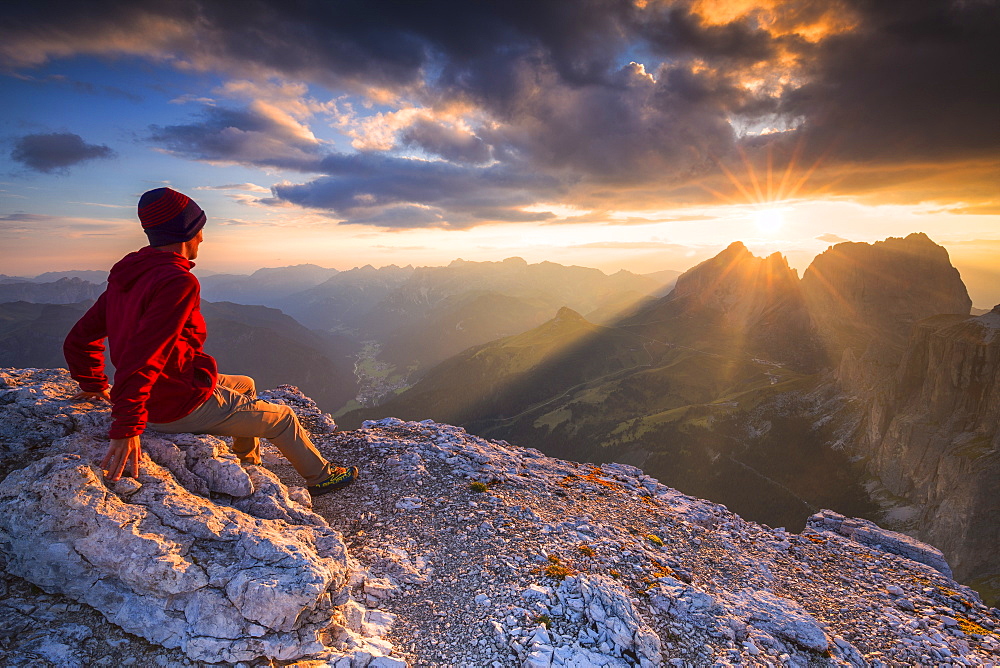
x,y
150,314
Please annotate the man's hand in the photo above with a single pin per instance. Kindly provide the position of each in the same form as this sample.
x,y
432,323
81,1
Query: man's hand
x,y
92,397
121,453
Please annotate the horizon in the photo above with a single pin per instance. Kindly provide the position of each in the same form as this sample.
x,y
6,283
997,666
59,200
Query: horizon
x,y
984,296
643,135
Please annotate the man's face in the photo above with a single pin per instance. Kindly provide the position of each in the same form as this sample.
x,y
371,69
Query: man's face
x,y
195,242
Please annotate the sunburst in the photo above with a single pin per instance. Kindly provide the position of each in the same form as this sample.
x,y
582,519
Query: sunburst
x,y
774,186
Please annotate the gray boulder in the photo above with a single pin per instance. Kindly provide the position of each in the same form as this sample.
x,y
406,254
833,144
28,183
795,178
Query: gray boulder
x,y
872,535
197,553
171,566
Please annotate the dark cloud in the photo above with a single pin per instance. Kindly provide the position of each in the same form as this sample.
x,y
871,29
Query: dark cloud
x,y
914,81
242,136
449,143
558,109
369,187
56,152
674,32
633,128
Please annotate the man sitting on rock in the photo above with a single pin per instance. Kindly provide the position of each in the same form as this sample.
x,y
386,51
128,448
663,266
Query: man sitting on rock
x,y
151,316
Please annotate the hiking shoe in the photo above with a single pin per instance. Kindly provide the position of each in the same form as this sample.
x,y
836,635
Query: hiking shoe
x,y
340,477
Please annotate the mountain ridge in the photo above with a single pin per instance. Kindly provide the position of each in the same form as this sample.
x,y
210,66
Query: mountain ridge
x,y
733,371
539,561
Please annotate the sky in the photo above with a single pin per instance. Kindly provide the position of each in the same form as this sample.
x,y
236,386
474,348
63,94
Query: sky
x,y
639,135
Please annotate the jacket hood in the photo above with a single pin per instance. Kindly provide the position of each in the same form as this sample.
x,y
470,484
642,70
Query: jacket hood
x,y
133,266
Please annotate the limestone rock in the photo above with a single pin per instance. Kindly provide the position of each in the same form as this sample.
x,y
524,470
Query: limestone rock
x,y
780,617
207,578
933,437
196,552
870,534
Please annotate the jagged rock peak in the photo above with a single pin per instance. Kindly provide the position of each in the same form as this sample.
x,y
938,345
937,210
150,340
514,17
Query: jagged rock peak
x,y
734,275
859,292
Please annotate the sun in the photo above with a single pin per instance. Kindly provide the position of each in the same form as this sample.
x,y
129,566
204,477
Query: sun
x,y
769,220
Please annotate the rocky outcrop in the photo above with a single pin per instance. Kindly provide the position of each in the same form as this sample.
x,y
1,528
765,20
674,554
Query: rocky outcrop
x,y
474,552
197,552
933,438
869,533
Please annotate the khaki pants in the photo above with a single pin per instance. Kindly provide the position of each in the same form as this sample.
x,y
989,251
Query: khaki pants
x,y
233,410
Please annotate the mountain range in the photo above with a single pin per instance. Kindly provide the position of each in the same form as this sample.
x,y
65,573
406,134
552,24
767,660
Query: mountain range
x,y
773,394
391,324
865,386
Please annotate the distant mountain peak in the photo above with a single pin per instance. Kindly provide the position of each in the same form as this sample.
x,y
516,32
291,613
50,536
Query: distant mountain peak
x,y
566,313
859,292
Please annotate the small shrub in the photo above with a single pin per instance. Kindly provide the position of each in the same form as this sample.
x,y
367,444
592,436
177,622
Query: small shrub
x,y
587,551
544,620
654,539
478,487
557,571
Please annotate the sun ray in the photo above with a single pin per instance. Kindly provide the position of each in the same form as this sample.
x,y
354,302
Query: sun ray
x,y
809,172
752,174
789,170
723,197
770,172
735,181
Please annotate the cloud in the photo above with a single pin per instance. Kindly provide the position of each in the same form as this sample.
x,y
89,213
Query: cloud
x,y
632,245
105,206
908,83
243,187
56,152
258,135
364,187
62,227
81,86
841,90
831,238
450,143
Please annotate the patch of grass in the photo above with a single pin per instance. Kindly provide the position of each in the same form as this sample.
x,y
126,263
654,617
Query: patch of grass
x,y
544,620
660,571
594,477
556,569
478,487
654,539
969,627
586,550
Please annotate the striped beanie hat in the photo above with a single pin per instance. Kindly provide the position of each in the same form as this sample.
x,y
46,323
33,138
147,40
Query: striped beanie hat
x,y
169,217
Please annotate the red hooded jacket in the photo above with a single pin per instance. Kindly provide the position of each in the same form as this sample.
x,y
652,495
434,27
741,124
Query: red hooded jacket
x,y
151,317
